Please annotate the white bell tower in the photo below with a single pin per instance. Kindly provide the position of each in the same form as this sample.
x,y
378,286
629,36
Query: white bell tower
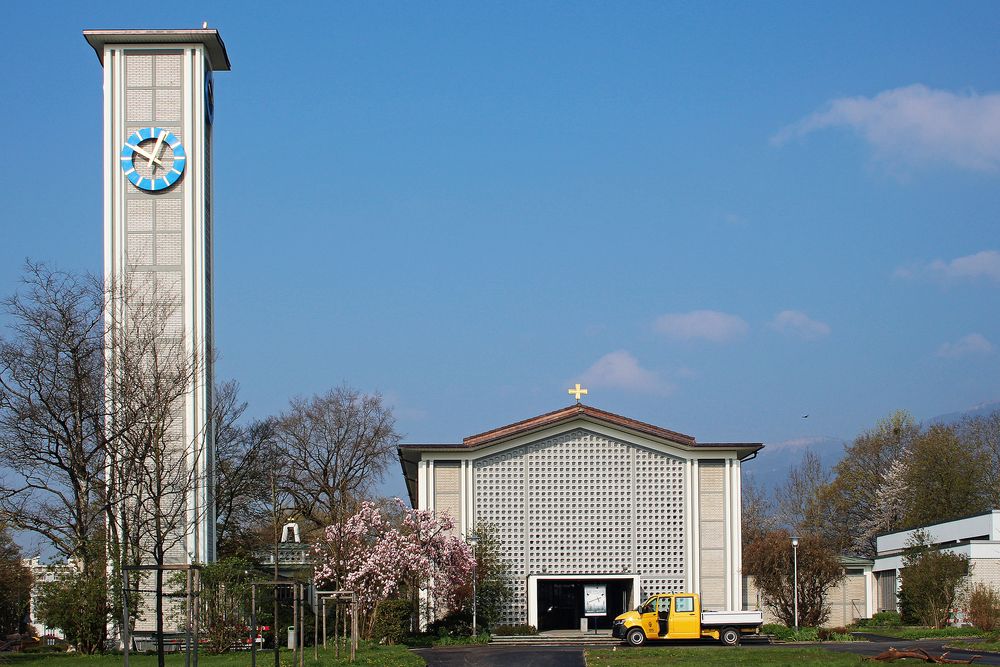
x,y
158,114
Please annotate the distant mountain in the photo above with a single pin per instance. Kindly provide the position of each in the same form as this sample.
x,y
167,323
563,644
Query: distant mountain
x,y
770,468
981,410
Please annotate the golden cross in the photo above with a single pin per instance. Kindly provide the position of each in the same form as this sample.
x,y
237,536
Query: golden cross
x,y
578,392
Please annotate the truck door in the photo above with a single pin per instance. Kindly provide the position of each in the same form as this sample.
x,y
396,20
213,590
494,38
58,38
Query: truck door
x,y
662,617
685,621
647,616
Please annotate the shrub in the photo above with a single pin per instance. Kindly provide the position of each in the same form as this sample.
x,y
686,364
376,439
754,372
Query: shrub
x,y
885,619
833,634
983,604
521,629
455,624
392,621
930,581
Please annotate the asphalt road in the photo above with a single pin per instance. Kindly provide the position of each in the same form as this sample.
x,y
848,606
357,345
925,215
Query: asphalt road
x,y
572,656
932,646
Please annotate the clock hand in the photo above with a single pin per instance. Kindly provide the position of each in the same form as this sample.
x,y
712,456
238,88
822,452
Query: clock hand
x,y
148,156
156,153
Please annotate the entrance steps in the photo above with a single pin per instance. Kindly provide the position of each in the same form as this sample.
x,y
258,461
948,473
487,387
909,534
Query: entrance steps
x,y
558,638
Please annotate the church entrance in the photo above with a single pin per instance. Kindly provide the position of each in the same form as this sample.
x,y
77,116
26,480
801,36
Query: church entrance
x,y
563,602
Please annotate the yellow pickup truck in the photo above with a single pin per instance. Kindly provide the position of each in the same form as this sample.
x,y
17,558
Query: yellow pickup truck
x,y
679,616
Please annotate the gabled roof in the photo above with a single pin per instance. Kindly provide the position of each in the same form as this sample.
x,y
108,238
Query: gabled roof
x,y
566,414
410,454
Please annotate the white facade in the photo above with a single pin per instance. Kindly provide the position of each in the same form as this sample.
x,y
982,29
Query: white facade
x,y
975,537
583,497
158,239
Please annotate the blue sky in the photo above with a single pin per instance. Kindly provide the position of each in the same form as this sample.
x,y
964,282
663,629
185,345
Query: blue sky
x,y
719,217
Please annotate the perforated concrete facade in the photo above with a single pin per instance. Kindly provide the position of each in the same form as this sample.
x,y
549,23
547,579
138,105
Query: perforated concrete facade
x,y
585,499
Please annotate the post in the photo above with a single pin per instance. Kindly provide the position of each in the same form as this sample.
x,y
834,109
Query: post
x,y
253,624
187,625
474,541
301,629
315,607
324,623
354,624
295,623
795,580
197,612
126,635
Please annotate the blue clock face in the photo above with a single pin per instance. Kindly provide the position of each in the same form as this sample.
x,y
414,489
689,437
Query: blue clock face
x,y
153,159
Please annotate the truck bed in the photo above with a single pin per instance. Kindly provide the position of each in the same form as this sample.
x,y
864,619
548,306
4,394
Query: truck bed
x,y
736,618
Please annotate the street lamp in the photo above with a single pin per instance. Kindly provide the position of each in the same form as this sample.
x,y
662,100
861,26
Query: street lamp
x,y
795,579
473,541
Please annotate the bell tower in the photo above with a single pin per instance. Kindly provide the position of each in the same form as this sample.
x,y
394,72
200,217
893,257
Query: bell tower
x,y
157,164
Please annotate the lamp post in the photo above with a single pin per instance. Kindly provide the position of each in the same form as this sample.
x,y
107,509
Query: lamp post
x,y
795,580
473,541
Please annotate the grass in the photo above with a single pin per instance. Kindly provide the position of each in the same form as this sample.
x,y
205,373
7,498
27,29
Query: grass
x,y
714,655
914,633
368,655
993,646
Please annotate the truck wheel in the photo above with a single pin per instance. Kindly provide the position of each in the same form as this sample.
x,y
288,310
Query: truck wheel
x,y
636,637
729,636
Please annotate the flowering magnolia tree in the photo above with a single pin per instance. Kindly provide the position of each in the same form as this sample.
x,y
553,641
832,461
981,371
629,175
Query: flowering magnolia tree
x,y
378,560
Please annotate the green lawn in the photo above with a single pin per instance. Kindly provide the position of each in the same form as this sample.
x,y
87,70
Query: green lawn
x,y
984,645
913,633
368,655
715,655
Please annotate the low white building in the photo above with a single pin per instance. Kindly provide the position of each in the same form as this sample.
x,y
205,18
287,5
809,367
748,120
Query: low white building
x,y
852,598
976,537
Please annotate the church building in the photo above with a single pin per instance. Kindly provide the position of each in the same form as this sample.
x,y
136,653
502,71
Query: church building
x,y
593,511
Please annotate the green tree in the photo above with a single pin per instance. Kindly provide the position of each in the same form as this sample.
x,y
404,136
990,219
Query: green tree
x,y
492,584
945,479
982,435
930,581
225,602
866,478
15,585
768,560
69,602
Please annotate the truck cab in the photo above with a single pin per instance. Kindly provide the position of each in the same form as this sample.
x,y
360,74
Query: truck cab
x,y
679,616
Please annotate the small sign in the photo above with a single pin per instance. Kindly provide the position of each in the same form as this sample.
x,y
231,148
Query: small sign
x,y
595,600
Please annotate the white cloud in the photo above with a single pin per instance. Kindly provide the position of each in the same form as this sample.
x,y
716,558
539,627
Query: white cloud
x,y
983,265
621,370
916,125
705,324
973,344
797,323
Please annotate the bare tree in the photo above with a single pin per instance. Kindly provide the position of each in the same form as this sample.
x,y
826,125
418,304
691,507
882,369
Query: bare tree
x,y
338,445
800,499
758,515
52,421
242,466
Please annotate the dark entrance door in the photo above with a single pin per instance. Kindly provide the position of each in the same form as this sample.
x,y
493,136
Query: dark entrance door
x,y
561,605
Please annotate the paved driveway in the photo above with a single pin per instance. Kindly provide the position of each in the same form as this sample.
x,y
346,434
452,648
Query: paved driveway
x,y
572,656
503,656
932,646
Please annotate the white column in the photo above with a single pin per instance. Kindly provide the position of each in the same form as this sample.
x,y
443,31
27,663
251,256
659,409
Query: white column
x,y
422,485
727,531
695,530
737,534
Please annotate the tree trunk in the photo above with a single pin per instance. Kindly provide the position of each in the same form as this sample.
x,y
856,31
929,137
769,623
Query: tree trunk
x,y
159,614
